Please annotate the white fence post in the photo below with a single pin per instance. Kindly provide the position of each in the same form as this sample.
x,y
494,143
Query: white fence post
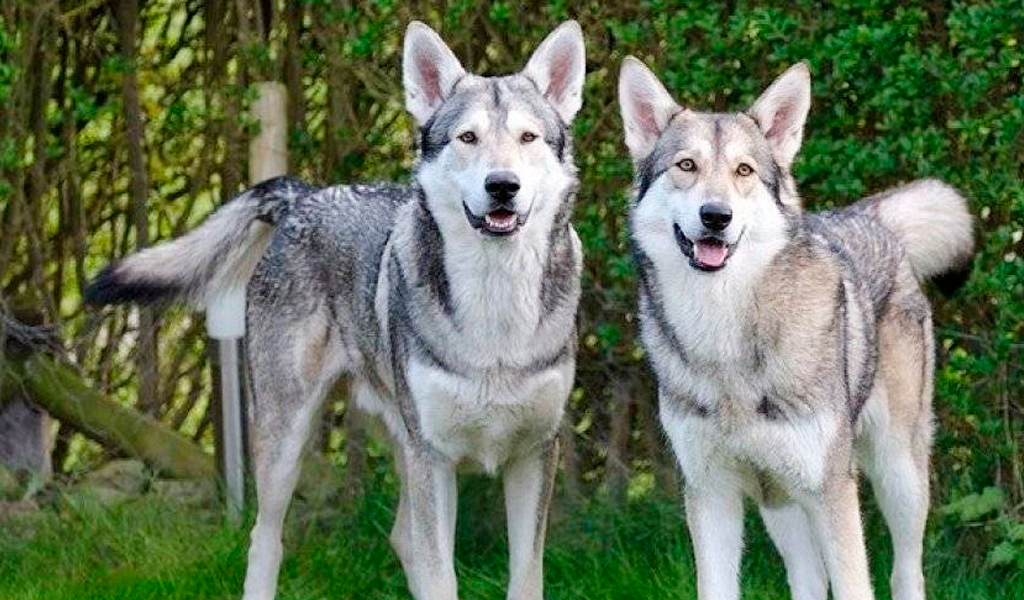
x,y
225,315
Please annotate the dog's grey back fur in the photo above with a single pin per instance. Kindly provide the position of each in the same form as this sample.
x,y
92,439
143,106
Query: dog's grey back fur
x,y
328,248
870,257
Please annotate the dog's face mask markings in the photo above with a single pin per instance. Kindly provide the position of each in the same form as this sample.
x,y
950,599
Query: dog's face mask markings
x,y
712,183
487,152
493,149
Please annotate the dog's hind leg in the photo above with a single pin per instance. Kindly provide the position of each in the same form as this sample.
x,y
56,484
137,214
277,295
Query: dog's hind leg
x,y
791,532
898,445
528,483
293,364
424,531
900,482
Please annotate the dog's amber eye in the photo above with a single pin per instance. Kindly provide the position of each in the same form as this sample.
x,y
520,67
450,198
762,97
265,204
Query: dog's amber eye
x,y
467,137
744,170
687,164
527,137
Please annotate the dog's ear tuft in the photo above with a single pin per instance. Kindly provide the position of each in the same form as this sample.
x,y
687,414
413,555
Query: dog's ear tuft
x,y
558,67
781,112
429,71
646,107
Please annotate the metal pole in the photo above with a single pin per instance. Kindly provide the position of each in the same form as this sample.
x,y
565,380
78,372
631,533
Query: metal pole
x,y
233,421
225,321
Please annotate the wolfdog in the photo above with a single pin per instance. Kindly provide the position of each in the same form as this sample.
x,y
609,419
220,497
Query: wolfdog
x,y
790,349
451,302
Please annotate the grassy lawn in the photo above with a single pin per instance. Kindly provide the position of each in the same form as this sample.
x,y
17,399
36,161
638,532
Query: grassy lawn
x,y
152,547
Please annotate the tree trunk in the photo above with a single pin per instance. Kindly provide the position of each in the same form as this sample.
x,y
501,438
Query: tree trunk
x,y
293,66
355,449
25,438
616,469
33,221
570,456
146,346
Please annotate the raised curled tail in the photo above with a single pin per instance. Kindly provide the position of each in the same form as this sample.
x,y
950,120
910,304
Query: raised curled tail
x,y
932,221
219,254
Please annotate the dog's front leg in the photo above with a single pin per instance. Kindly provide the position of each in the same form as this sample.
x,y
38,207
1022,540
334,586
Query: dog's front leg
x,y
835,519
424,532
714,515
529,482
791,532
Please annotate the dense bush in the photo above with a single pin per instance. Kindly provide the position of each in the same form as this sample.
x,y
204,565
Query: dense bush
x,y
901,91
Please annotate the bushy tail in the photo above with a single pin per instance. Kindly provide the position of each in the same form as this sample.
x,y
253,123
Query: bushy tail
x,y
219,254
932,221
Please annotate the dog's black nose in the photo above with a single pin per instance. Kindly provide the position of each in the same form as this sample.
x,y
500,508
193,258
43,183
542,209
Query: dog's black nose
x,y
715,215
502,185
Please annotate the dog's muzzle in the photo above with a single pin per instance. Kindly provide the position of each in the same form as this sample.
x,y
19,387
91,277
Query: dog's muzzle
x,y
710,252
500,221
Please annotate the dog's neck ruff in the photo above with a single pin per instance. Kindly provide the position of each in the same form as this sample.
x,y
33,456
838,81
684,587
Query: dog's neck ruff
x,y
491,303
706,316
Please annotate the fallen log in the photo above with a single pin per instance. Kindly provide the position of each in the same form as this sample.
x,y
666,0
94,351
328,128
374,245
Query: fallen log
x,y
63,393
67,397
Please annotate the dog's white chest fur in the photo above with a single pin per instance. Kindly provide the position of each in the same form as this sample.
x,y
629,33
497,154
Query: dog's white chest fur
x,y
495,411
710,317
495,295
707,316
491,418
489,403
793,454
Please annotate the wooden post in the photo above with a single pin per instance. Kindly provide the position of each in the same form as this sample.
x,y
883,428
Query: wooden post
x,y
268,152
225,315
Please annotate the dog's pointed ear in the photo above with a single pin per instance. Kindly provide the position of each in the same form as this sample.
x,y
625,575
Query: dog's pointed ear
x,y
781,112
558,67
429,71
646,107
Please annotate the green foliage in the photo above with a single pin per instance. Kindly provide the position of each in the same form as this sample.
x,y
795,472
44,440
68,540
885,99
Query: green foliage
x,y
974,506
1010,551
7,70
985,511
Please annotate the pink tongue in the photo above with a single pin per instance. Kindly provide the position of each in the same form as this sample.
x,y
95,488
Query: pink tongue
x,y
710,254
501,219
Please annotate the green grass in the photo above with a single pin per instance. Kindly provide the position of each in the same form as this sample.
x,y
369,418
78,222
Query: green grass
x,y
154,548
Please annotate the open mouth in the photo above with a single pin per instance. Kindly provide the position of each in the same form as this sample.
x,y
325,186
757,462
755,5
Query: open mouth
x,y
498,222
709,253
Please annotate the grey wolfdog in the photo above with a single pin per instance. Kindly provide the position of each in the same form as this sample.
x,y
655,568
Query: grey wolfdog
x,y
790,349
451,302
